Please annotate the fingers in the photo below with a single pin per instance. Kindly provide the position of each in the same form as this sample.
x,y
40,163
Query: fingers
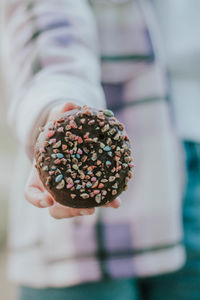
x,y
68,106
60,212
55,112
114,204
38,198
34,191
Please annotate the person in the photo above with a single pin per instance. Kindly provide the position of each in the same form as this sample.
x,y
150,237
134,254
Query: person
x,y
179,24
51,62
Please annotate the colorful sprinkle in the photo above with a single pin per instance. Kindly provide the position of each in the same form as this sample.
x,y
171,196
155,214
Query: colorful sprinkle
x,y
78,187
94,157
91,122
82,121
98,174
100,186
88,184
80,140
84,196
105,128
111,178
60,129
98,198
72,124
114,192
75,167
107,148
52,141
80,152
59,155
61,185
57,145
116,137
59,178
50,133
96,192
108,113
115,186
108,163
102,145
70,185
95,184
93,179
57,161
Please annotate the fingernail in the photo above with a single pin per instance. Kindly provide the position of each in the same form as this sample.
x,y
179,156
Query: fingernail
x,y
84,212
44,203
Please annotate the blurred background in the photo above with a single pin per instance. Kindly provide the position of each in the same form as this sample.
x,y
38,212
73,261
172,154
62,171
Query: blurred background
x,y
7,152
182,49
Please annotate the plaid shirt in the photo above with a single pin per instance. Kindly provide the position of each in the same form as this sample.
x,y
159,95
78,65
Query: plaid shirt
x,y
52,55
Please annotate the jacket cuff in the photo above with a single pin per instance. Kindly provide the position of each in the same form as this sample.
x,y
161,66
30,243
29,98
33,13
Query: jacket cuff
x,y
35,104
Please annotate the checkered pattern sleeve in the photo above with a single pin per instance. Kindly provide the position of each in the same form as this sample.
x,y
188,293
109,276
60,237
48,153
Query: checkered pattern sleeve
x,y
51,55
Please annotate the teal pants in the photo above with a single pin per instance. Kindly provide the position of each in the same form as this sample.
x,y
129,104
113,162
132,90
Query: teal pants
x,y
104,290
181,285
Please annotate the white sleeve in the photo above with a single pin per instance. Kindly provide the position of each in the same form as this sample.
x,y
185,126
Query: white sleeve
x,y
51,55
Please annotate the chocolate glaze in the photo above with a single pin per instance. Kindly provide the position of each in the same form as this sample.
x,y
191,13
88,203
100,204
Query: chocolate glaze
x,y
83,158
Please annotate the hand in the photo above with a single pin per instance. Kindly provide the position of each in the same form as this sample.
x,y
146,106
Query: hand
x,y
37,195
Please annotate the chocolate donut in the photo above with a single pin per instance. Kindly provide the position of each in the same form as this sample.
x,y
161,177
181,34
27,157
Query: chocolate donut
x,y
84,157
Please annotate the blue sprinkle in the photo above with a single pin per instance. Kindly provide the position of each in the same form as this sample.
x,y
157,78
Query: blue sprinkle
x,y
59,155
78,187
108,113
78,155
88,185
73,155
108,163
89,172
59,178
77,181
110,153
106,148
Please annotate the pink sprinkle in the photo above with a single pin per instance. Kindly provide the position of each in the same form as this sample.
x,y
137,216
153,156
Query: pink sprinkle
x,y
80,140
42,150
52,141
131,165
80,151
86,136
51,172
50,133
70,185
60,129
71,151
96,192
93,179
72,124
